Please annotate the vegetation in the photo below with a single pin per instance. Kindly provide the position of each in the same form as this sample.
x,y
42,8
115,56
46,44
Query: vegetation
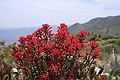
x,y
47,56
44,55
6,61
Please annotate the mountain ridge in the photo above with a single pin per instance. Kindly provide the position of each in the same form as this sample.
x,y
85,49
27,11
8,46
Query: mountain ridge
x,y
98,25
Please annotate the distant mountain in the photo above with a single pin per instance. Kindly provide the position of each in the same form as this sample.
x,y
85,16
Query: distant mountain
x,y
98,25
12,35
75,28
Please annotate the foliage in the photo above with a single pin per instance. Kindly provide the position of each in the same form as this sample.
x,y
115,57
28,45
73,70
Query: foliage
x,y
6,60
105,56
115,73
7,51
105,37
47,56
5,69
117,42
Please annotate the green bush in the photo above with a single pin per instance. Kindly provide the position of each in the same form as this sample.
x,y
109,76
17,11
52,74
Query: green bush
x,y
105,37
104,56
117,42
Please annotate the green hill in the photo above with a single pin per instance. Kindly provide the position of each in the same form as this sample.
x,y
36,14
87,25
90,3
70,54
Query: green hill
x,y
100,25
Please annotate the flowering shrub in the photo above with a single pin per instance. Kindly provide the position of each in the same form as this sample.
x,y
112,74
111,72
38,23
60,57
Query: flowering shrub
x,y
47,56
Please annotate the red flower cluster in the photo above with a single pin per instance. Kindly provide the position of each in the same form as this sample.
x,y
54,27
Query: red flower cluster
x,y
62,31
53,68
49,56
17,54
56,52
43,76
94,49
83,34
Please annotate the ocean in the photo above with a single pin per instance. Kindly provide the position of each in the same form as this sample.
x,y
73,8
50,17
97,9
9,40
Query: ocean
x,y
11,35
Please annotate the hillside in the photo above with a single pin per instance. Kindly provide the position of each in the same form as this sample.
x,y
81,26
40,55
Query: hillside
x,y
75,28
98,25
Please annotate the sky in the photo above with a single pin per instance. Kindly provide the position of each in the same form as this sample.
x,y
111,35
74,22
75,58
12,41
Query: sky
x,y
31,13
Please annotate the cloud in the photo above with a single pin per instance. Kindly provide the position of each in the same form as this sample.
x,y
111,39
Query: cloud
x,y
17,13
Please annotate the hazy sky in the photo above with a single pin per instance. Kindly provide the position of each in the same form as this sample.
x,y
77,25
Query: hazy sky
x,y
29,13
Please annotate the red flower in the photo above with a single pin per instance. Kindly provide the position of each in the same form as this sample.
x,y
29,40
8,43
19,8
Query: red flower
x,y
47,30
71,79
78,54
38,33
81,46
69,46
98,56
28,55
56,52
88,52
29,37
48,47
93,45
63,25
16,60
83,34
95,49
45,26
67,43
43,76
17,54
22,39
62,31
53,68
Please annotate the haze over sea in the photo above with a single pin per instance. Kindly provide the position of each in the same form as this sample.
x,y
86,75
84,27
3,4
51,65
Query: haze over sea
x,y
11,35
